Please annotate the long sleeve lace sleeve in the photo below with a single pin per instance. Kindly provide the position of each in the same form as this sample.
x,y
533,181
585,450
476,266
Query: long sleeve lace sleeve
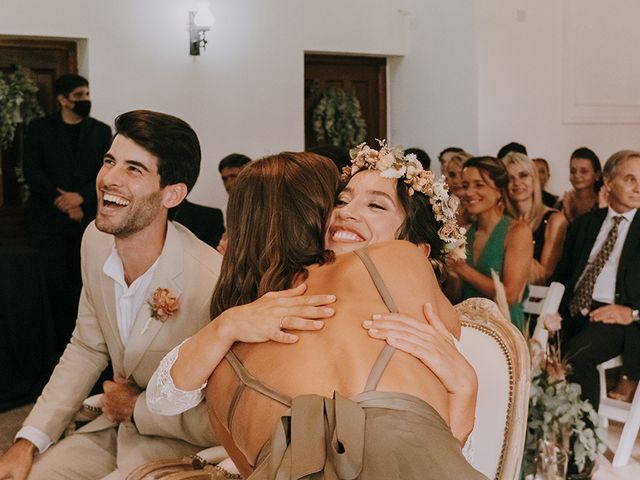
x,y
163,397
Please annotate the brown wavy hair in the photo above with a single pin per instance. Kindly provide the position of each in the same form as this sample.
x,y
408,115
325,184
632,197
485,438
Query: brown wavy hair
x,y
277,215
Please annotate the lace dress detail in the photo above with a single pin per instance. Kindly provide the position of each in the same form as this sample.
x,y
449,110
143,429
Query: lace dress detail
x,y
163,397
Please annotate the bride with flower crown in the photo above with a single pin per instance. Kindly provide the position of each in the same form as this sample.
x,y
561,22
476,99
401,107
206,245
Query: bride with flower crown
x,y
337,402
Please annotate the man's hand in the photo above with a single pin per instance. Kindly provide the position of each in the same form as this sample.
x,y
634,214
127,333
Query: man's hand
x,y
619,314
16,462
67,200
76,214
119,399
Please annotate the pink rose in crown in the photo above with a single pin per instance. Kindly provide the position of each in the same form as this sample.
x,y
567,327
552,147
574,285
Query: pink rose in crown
x,y
163,304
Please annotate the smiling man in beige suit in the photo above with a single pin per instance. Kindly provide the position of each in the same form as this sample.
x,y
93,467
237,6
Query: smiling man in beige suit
x,y
128,254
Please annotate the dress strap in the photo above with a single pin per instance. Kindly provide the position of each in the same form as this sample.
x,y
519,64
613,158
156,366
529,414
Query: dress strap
x,y
377,281
253,383
387,352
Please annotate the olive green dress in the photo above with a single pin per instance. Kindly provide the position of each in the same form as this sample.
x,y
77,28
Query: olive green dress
x,y
374,435
492,258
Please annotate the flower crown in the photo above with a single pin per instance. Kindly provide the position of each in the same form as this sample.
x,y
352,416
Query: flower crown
x,y
393,163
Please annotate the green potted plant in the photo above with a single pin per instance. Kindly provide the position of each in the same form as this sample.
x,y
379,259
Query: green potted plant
x,y
18,103
562,429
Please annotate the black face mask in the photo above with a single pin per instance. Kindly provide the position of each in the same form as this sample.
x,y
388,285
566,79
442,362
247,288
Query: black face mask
x,y
82,107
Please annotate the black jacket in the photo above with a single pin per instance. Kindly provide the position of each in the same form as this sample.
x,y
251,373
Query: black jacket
x,y
581,236
206,223
51,161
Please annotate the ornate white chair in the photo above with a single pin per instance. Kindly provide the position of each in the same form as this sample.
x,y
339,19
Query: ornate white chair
x,y
627,413
499,354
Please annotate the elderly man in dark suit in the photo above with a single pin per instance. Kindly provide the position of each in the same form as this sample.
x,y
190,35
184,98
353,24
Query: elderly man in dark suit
x,y
600,268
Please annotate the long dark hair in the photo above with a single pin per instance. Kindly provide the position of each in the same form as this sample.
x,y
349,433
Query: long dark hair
x,y
588,154
277,215
494,169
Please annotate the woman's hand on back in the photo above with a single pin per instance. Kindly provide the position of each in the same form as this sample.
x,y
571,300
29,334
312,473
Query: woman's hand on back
x,y
430,342
265,318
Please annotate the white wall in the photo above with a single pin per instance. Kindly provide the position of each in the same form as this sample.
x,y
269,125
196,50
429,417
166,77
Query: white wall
x,y
245,93
433,89
471,73
526,48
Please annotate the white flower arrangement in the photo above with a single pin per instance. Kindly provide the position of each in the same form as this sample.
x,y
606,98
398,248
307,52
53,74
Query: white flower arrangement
x,y
393,163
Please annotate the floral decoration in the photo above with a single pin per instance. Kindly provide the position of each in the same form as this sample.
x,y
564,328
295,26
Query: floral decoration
x,y
163,306
18,103
393,163
337,119
557,413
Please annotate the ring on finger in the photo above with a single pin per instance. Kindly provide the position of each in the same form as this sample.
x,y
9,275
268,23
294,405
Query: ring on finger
x,y
281,325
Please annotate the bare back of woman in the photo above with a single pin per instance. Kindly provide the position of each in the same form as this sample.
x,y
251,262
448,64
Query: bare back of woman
x,y
341,356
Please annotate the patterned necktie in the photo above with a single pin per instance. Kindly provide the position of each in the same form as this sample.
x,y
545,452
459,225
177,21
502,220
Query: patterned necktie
x,y
581,301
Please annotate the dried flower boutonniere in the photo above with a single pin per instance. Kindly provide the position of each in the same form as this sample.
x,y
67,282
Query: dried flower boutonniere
x,y
163,305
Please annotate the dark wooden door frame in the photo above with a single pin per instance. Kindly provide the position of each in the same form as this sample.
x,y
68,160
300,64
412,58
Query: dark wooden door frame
x,y
45,59
378,106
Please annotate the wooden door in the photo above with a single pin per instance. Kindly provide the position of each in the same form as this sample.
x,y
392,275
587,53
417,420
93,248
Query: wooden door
x,y
363,77
45,60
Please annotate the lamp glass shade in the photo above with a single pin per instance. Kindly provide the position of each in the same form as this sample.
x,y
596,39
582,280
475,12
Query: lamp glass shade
x,y
203,17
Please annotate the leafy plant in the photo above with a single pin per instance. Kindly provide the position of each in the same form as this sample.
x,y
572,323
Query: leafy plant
x,y
556,412
18,103
337,119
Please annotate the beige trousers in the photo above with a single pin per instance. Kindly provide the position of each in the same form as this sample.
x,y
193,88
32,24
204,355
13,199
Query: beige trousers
x,y
107,454
80,456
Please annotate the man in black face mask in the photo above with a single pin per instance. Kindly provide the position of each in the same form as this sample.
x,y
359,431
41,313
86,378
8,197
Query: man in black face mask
x,y
63,153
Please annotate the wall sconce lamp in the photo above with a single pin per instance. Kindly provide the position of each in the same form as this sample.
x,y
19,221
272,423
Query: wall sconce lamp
x,y
200,22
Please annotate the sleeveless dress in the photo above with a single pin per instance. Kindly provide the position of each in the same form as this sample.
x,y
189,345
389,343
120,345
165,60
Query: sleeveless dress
x,y
538,234
373,435
492,258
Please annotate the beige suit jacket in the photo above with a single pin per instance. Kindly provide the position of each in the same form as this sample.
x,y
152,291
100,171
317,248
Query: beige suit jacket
x,y
188,268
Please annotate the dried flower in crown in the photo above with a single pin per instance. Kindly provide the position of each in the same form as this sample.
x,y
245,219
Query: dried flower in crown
x,y
393,163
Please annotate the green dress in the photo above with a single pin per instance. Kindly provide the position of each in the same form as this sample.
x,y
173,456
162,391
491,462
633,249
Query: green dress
x,y
492,257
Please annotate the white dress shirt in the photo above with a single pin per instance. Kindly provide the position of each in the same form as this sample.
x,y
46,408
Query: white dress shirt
x,y
129,299
604,290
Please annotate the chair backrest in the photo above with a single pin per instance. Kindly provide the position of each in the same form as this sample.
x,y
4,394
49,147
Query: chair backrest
x,y
498,352
534,302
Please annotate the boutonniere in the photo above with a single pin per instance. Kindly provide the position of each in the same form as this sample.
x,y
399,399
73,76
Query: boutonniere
x,y
163,305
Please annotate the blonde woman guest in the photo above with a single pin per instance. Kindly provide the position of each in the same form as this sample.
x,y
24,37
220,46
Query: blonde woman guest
x,y
495,240
585,175
549,226
453,171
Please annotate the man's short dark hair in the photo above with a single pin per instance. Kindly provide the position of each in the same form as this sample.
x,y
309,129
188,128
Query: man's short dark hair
x,y
512,147
338,155
233,160
170,139
66,84
421,155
